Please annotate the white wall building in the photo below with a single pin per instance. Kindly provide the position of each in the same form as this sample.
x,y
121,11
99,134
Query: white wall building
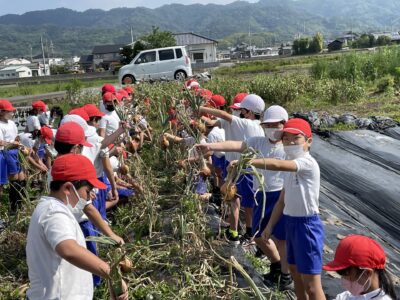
x,y
15,61
201,49
12,72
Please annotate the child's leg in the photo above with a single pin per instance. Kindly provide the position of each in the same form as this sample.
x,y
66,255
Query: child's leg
x,y
298,283
281,249
248,215
313,287
234,216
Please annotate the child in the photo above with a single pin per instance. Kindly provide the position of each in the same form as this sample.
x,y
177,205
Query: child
x,y
239,129
59,265
299,203
270,146
10,168
110,122
32,122
360,261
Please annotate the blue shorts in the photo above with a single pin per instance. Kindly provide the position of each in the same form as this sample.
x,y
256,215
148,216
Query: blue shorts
x,y
304,243
88,230
259,222
13,165
245,190
125,193
220,163
200,187
41,152
100,201
3,168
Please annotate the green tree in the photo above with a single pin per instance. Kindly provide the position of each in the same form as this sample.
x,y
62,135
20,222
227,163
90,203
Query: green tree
x,y
383,40
304,44
156,39
317,44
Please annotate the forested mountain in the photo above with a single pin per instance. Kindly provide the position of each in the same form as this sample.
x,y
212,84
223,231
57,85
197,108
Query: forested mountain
x,y
73,32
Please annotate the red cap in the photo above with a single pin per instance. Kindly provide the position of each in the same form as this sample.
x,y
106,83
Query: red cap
x,y
357,251
298,126
72,133
238,98
93,111
207,94
123,93
108,88
109,97
74,167
47,134
39,105
129,89
119,97
6,105
80,111
216,101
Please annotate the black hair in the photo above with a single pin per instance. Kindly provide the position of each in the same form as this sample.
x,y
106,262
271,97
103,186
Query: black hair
x,y
257,116
385,281
94,118
33,112
57,110
63,148
57,184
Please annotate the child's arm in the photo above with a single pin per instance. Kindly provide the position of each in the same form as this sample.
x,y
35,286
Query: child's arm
x,y
275,164
227,146
112,137
110,175
217,113
209,121
275,216
94,216
173,138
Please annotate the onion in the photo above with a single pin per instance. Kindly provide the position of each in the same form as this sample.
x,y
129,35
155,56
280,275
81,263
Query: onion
x,y
126,265
205,171
124,169
229,191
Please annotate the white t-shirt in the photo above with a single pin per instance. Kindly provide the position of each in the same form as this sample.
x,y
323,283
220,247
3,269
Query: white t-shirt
x,y
110,122
302,188
273,180
216,135
27,140
377,294
102,107
95,153
50,276
239,130
8,131
32,123
44,118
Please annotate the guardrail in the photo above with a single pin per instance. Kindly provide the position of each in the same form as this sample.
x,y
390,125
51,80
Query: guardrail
x,y
59,78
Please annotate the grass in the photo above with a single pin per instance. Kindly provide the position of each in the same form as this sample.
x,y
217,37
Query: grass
x,y
29,89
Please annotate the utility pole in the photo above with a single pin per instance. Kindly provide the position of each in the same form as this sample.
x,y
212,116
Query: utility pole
x,y
44,58
132,36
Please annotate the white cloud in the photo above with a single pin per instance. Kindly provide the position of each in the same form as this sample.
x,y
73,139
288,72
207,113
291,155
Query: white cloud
x,y
19,7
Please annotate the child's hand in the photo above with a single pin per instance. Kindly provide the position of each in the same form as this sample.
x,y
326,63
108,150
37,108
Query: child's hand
x,y
267,233
232,164
123,296
203,148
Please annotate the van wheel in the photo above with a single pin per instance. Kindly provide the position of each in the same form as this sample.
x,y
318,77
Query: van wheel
x,y
128,79
180,75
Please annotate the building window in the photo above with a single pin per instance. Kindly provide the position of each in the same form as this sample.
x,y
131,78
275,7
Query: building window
x,y
198,57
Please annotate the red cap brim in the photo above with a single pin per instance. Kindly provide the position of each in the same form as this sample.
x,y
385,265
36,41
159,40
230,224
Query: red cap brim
x,y
234,106
86,144
335,266
294,131
47,140
97,183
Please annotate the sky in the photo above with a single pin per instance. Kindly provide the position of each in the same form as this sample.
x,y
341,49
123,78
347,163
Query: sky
x,y
22,6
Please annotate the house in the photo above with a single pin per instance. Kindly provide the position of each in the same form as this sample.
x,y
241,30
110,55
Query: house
x,y
58,61
12,72
15,61
104,56
335,45
200,48
86,63
285,50
223,55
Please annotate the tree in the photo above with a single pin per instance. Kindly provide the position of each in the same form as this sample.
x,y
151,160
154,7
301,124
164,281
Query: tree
x,y
316,44
156,39
383,40
304,43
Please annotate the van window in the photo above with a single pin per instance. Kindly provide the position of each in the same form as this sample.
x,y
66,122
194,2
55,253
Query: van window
x,y
166,54
178,52
146,57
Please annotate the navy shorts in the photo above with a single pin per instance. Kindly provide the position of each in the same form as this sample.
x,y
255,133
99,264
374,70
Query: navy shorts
x,y
200,187
88,230
304,243
13,165
3,169
41,152
125,193
245,190
100,201
259,222
220,163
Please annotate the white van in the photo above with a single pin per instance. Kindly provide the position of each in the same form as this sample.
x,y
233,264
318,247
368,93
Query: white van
x,y
169,63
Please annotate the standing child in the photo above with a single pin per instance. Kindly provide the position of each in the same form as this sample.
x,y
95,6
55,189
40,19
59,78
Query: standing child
x,y
361,261
239,129
299,203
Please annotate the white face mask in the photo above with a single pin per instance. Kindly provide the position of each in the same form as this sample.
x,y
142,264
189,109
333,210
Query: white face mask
x,y
77,211
294,151
273,134
236,113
